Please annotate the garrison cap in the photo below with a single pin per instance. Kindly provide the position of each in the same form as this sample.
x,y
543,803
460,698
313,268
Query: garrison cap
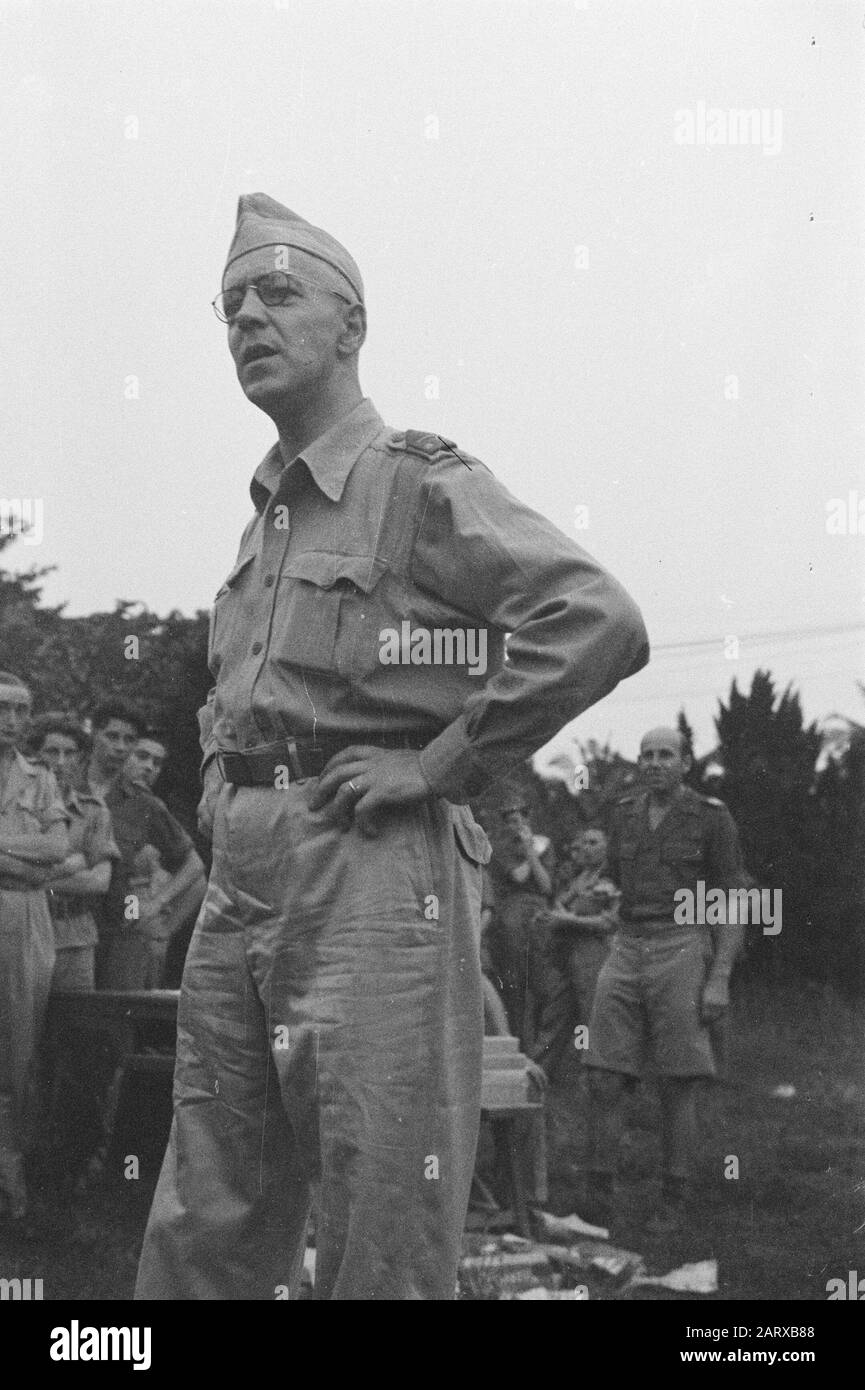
x,y
312,253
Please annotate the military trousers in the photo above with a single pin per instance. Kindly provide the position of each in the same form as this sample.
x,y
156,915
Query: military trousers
x,y
26,966
329,1049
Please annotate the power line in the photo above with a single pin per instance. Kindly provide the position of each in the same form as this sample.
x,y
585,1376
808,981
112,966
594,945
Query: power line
x,y
778,634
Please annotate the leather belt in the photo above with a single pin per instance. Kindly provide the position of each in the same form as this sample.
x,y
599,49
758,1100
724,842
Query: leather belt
x,y
299,759
65,906
651,928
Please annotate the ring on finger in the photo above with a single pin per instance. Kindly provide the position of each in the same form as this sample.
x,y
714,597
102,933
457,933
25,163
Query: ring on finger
x,y
355,788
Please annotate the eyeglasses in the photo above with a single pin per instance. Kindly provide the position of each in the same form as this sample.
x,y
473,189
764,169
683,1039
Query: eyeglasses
x,y
272,289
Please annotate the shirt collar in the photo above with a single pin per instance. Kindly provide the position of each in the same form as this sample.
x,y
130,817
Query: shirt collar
x,y
20,767
330,458
80,793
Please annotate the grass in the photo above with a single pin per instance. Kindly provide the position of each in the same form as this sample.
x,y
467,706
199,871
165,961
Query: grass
x,y
793,1219
795,1215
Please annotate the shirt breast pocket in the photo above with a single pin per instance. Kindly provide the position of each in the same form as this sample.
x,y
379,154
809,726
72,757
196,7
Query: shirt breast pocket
x,y
684,851
227,619
29,819
331,610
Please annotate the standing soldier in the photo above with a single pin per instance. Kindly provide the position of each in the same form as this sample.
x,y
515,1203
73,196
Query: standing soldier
x,y
575,938
521,876
663,983
330,1024
132,942
74,886
33,835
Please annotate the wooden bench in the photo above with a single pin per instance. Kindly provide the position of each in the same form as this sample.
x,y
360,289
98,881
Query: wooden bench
x,y
137,1027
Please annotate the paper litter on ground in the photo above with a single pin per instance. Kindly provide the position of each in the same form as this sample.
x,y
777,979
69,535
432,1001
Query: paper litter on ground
x,y
578,1295
700,1277
566,1227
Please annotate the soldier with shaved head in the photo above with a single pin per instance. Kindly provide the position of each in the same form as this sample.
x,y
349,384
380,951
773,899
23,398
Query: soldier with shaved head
x,y
663,982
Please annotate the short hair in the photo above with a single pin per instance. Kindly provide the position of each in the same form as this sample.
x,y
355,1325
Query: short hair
x,y
59,722
155,736
593,829
9,678
107,710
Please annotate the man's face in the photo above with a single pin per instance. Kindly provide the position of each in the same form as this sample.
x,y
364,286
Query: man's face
x,y
62,754
14,714
113,744
515,818
146,760
593,848
661,763
575,853
300,337
514,829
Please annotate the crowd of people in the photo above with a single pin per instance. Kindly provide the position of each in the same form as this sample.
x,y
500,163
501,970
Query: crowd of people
x,y
97,880
99,883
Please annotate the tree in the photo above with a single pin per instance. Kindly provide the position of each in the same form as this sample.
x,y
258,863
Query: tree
x,y
159,664
788,818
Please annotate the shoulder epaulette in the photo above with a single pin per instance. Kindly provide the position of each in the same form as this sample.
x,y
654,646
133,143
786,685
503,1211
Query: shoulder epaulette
x,y
712,800
425,445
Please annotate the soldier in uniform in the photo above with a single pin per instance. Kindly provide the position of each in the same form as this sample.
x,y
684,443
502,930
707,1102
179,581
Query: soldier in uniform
x,y
663,982
330,1023
521,877
33,835
575,939
74,886
134,935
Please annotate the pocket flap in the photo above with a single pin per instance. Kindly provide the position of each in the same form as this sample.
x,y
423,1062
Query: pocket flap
x,y
325,570
471,838
235,574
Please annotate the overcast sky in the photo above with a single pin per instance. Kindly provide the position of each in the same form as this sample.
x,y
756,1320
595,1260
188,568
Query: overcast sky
x,y
577,267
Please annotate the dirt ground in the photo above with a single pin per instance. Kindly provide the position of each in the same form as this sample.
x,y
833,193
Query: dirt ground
x,y
793,1219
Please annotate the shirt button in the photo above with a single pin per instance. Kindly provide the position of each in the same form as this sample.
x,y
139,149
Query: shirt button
x,y
256,648
268,580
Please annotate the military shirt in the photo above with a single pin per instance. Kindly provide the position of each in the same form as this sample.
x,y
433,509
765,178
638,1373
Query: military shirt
x,y
139,818
90,834
372,531
695,840
30,804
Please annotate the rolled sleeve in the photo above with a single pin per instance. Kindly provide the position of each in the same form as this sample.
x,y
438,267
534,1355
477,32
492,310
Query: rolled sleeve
x,y
99,842
574,631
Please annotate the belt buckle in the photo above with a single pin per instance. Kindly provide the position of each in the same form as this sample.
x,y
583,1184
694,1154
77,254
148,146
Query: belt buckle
x,y
293,757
